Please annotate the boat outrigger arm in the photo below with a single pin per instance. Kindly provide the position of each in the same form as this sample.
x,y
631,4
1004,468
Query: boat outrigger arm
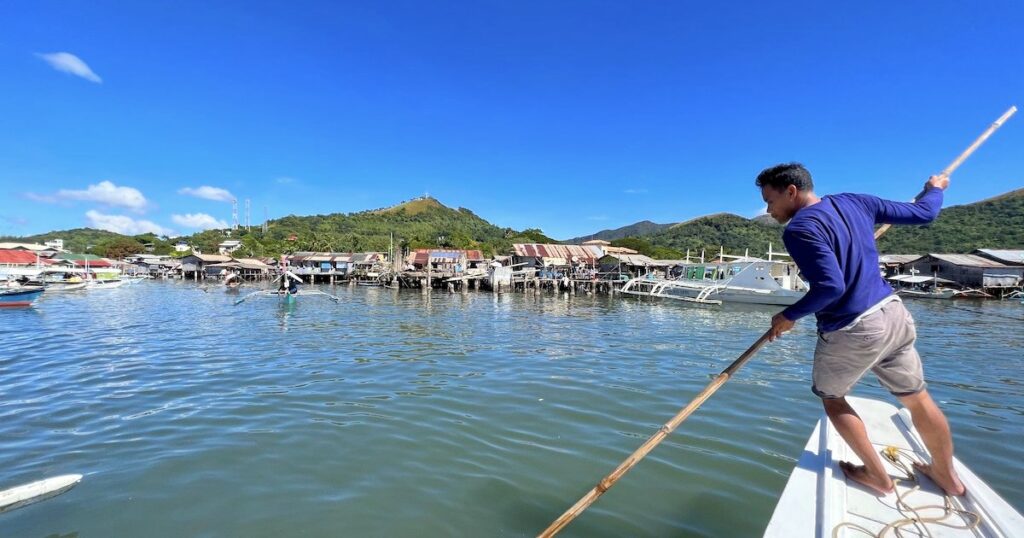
x,y
656,288
286,292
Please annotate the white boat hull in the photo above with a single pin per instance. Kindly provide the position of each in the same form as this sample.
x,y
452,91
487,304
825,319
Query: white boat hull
x,y
105,284
52,287
19,496
818,501
681,290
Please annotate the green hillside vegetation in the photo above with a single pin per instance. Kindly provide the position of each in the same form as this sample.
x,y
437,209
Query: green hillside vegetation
x,y
647,249
419,223
994,223
638,229
426,223
733,232
100,242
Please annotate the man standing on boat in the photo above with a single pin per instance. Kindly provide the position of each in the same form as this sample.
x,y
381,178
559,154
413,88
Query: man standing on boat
x,y
862,324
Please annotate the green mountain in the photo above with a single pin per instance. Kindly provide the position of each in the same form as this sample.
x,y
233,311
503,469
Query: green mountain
x,y
426,223
709,233
96,241
638,229
419,223
993,223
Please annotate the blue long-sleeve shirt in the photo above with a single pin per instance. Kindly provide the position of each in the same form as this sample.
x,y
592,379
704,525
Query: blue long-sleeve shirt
x,y
832,242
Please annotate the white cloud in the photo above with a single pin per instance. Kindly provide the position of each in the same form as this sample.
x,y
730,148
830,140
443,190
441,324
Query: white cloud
x,y
635,191
69,63
216,194
200,221
104,192
124,225
44,198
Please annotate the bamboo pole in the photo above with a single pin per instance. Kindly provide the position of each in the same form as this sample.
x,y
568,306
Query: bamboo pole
x,y
959,160
607,482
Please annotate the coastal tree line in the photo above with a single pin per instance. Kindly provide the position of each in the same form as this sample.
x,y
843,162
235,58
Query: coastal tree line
x,y
426,223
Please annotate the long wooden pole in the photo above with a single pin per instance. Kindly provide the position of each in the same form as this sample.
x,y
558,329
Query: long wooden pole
x,y
607,482
963,157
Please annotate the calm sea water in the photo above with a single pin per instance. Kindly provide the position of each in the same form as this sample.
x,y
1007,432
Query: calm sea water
x,y
410,414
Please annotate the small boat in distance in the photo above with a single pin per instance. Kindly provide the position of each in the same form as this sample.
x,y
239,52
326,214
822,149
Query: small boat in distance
x,y
818,500
923,287
19,295
931,293
287,291
96,284
56,287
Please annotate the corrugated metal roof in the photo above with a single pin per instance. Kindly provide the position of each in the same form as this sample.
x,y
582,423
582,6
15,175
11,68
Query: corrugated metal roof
x,y
1012,257
19,257
619,250
366,257
898,258
540,250
23,246
253,263
637,259
967,260
209,258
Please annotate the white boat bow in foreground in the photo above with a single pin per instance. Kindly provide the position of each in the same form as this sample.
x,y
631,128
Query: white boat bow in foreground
x,y
819,502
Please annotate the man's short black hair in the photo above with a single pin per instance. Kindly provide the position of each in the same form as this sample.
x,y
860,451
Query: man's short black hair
x,y
781,176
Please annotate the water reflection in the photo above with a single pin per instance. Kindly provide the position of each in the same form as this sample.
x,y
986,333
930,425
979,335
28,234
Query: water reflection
x,y
205,415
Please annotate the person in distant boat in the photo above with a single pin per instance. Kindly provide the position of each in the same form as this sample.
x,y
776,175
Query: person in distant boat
x,y
862,324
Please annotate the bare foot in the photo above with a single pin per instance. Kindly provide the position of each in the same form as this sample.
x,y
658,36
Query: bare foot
x,y
858,473
949,482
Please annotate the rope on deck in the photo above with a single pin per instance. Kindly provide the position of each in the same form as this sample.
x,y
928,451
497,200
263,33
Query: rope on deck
x,y
968,519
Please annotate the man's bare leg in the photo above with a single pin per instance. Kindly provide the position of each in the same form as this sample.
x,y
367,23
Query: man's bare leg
x,y
934,430
849,425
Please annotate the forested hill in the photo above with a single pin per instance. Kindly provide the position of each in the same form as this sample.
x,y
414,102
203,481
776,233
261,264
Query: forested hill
x,y
419,223
639,229
993,223
424,222
76,240
735,233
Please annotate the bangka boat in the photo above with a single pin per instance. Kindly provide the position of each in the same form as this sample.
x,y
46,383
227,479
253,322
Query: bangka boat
x,y
19,296
105,284
56,287
743,280
818,500
932,293
288,291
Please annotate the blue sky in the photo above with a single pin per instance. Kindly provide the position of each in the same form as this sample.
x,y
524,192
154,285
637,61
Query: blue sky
x,y
567,116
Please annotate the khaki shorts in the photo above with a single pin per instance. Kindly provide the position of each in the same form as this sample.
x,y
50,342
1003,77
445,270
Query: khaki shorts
x,y
882,342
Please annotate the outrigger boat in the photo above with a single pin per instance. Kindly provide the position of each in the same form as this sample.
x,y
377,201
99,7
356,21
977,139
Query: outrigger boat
x,y
97,284
819,501
741,279
288,290
232,282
